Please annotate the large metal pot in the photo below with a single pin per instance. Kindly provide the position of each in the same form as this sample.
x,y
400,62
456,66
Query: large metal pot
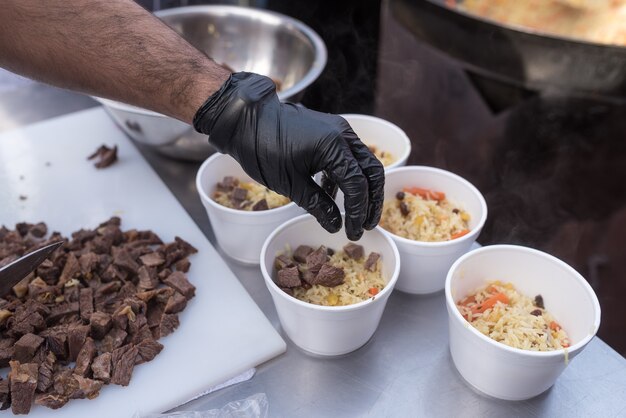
x,y
245,39
516,56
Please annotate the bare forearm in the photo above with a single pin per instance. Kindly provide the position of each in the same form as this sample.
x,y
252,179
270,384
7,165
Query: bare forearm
x,y
109,48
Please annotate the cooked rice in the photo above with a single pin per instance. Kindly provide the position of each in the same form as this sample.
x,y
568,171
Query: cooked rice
x,y
356,286
383,156
428,219
512,323
591,20
256,193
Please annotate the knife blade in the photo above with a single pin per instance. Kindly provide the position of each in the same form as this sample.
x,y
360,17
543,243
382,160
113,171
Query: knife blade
x,y
15,271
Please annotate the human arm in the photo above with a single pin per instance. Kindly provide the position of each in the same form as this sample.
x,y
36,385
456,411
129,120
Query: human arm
x,y
115,49
108,48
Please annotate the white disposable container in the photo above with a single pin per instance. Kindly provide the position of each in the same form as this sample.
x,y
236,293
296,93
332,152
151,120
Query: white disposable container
x,y
495,368
328,330
382,134
239,233
425,264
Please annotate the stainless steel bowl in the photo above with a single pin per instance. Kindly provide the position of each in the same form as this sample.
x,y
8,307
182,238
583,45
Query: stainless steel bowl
x,y
245,39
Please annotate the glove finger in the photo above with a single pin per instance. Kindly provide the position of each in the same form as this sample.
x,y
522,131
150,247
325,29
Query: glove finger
x,y
329,186
374,172
344,170
318,203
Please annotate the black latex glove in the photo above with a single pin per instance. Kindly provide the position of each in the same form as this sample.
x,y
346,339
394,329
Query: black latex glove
x,y
282,146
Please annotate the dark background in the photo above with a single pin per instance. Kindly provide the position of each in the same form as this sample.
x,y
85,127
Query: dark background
x,y
552,167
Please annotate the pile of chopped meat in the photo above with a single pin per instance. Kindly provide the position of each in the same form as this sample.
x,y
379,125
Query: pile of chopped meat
x,y
89,313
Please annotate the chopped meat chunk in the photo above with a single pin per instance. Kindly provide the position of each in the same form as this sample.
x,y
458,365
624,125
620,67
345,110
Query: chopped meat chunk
x,y
85,387
56,340
23,382
372,261
153,259
88,263
317,257
5,397
85,357
301,253
99,324
85,303
176,303
329,276
147,278
123,362
183,265
114,339
260,205
106,156
289,277
50,400
123,260
239,195
227,184
25,347
169,322
178,281
101,367
282,261
46,370
76,336
354,251
147,350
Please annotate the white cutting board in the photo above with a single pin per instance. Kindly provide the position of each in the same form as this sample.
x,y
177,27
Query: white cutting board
x,y
222,331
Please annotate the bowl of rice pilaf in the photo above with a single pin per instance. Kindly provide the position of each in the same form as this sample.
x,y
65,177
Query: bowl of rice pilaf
x,y
329,293
387,141
517,317
434,217
242,212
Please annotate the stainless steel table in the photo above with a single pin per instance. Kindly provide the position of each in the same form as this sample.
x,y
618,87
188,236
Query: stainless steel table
x,y
404,371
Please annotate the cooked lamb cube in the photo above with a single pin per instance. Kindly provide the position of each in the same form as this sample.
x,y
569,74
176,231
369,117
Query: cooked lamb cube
x,y
85,357
122,363
99,324
354,251
315,259
371,262
260,205
329,276
46,370
289,277
76,336
25,347
153,259
23,382
85,303
101,367
178,281
301,252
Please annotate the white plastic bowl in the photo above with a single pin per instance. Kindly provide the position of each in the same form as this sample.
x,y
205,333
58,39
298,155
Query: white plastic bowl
x,y
382,134
239,233
425,264
328,330
497,369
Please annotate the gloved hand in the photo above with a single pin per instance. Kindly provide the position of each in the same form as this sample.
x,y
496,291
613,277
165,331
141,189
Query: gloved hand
x,y
282,146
